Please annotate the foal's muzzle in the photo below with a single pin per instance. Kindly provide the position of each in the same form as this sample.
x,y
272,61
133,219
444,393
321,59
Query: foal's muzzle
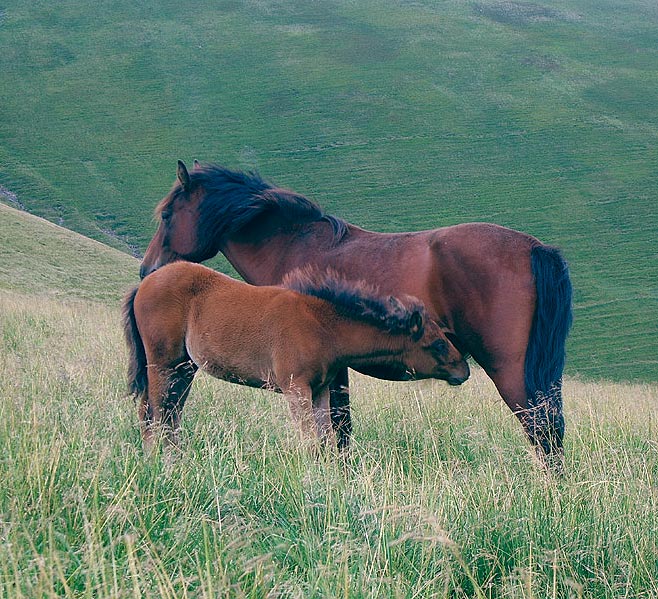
x,y
455,381
460,376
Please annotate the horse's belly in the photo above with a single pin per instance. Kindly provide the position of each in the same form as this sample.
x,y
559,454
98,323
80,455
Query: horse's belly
x,y
234,375
226,369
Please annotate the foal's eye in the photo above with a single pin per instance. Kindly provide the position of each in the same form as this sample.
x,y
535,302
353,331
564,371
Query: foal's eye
x,y
440,347
166,216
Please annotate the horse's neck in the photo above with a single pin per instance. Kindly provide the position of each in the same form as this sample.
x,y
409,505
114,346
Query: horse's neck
x,y
365,344
267,261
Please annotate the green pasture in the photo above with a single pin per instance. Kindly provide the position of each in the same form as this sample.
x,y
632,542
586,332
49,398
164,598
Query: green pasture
x,y
395,115
439,498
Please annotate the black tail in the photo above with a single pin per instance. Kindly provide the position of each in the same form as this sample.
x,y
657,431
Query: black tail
x,y
137,379
545,355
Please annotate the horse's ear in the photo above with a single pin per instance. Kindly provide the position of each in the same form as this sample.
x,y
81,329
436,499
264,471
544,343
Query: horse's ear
x,y
416,325
183,176
197,164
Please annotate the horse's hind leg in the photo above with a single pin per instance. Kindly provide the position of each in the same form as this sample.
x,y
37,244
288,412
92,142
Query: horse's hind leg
x,y
537,423
160,411
180,383
341,418
150,407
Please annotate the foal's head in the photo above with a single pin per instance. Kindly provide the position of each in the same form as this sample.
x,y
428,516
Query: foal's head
x,y
434,356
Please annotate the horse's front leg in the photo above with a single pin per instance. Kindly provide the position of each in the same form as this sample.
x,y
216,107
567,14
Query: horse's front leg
x,y
339,401
323,422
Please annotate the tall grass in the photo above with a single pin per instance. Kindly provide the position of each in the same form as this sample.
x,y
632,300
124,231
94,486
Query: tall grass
x,y
439,498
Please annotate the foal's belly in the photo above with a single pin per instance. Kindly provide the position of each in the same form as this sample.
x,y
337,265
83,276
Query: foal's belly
x,y
227,369
220,371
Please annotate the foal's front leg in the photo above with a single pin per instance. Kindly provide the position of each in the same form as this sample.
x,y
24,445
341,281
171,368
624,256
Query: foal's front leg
x,y
300,401
323,422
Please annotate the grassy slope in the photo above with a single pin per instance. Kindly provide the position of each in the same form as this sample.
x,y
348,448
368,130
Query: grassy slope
x,y
440,498
395,115
40,258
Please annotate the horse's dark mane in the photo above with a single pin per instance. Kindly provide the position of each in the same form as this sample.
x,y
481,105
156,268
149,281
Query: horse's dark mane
x,y
355,299
235,199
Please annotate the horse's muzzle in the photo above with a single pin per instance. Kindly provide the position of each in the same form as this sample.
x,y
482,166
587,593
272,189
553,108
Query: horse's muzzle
x,y
144,271
460,376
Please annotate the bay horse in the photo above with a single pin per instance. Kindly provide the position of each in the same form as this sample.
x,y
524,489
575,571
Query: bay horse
x,y
293,339
504,296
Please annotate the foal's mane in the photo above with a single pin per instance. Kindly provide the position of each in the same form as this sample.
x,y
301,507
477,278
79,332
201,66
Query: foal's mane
x,y
355,299
235,199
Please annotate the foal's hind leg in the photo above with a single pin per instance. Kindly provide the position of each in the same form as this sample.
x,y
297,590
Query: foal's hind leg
x,y
160,411
339,401
180,383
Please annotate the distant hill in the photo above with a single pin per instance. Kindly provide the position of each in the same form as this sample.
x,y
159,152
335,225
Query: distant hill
x,y
394,115
40,258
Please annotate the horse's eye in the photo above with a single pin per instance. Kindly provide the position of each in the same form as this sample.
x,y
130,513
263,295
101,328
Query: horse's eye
x,y
440,347
166,216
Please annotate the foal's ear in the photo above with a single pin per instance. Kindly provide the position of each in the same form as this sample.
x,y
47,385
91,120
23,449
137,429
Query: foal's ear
x,y
416,325
197,164
183,176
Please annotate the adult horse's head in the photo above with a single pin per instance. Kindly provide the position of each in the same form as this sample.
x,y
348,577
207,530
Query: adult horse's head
x,y
211,205
177,236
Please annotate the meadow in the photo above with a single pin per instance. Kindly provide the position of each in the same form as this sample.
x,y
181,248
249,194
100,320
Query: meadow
x,y
439,498
393,115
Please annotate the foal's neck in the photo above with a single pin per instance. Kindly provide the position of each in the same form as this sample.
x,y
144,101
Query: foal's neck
x,y
364,344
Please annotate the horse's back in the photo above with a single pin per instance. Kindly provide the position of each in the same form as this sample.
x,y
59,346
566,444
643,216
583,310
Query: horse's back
x,y
487,255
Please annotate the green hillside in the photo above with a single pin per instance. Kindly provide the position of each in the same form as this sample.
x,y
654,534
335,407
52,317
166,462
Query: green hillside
x,y
394,115
38,258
